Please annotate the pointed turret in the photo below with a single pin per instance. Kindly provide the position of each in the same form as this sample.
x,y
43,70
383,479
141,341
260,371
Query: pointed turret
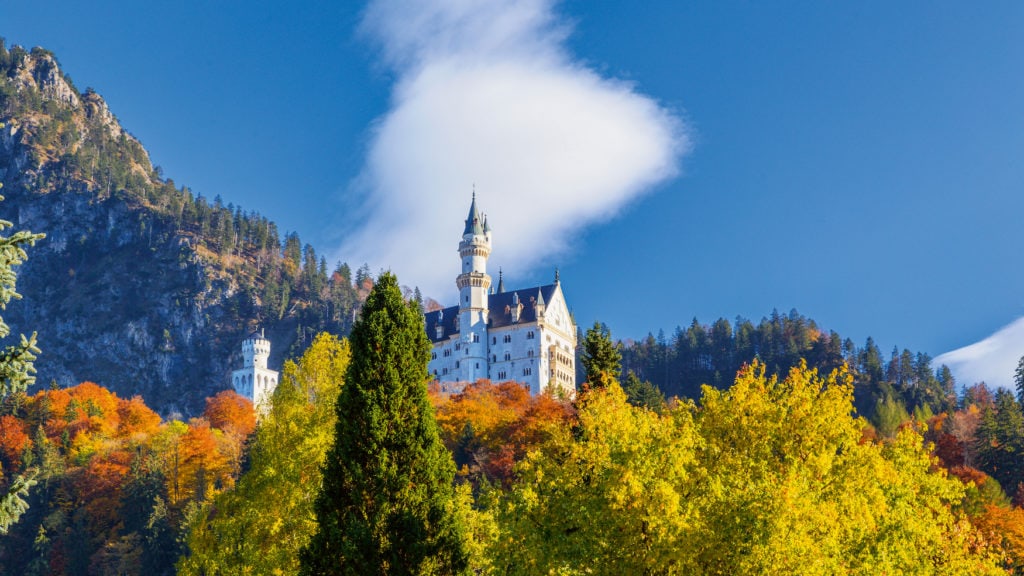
x,y
540,304
474,224
501,282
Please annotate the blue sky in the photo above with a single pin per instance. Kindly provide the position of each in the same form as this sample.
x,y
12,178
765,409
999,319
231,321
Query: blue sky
x,y
860,162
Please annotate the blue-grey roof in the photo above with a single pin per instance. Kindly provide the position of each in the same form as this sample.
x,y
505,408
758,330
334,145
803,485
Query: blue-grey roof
x,y
474,224
500,313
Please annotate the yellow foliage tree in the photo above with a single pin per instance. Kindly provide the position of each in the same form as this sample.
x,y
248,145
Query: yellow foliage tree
x,y
260,526
769,477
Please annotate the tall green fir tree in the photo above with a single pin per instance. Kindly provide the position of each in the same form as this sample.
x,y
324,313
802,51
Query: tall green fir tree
x,y
1018,380
15,363
600,356
387,503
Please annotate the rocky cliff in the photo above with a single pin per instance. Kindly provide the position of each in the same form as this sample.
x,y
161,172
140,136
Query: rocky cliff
x,y
140,285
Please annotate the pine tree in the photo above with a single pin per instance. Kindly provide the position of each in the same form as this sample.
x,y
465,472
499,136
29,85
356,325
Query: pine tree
x,y
1018,379
601,357
387,505
15,361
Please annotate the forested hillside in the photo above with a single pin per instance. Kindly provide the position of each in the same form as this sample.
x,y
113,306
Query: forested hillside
x,y
142,285
712,354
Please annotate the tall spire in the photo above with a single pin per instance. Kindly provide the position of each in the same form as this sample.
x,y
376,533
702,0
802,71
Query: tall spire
x,y
501,282
540,299
474,224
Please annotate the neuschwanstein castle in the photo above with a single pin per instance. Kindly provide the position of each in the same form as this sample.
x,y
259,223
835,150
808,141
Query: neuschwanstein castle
x,y
524,335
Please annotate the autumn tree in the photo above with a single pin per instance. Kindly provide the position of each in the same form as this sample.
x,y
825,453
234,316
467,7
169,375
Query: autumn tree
x,y
600,356
489,427
610,495
240,533
15,361
231,412
772,476
386,505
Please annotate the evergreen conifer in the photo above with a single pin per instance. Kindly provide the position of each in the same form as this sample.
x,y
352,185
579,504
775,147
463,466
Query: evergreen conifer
x,y
15,361
387,505
600,356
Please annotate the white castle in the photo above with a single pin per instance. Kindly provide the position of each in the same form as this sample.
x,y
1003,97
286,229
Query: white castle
x,y
255,381
523,335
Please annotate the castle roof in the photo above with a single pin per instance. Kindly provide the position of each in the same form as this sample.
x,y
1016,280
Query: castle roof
x,y
499,313
474,223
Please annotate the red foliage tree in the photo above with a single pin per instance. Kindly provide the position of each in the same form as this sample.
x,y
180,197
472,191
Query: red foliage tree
x,y
13,441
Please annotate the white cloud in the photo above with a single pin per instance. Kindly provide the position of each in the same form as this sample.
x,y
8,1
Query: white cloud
x,y
992,360
486,94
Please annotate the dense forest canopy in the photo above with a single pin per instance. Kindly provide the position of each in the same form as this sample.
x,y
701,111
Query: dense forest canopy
x,y
712,354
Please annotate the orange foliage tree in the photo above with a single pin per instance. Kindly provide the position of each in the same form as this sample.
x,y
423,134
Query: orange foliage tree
x,y
203,468
13,441
1004,527
135,418
489,427
231,412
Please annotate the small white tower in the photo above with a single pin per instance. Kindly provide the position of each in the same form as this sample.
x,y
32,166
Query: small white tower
x,y
255,381
474,285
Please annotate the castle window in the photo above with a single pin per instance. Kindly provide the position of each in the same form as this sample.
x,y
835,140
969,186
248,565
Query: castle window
x,y
508,356
507,338
476,337
433,355
456,363
502,375
529,335
494,357
527,371
529,353
477,365
458,346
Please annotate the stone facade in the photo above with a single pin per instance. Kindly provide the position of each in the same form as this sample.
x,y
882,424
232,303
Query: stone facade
x,y
255,381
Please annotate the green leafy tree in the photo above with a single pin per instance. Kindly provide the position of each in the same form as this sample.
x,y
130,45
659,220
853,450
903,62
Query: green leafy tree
x,y
241,534
387,504
15,361
600,356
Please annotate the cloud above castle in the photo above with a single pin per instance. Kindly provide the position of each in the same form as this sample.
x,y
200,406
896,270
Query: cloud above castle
x,y
487,94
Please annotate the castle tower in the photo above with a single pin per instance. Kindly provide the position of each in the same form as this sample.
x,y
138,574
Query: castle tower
x,y
474,284
254,380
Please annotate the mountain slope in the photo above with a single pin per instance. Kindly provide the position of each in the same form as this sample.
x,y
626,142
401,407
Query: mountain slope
x,y
140,285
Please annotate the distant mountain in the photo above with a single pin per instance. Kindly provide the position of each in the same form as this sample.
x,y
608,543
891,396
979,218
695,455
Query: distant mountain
x,y
141,285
